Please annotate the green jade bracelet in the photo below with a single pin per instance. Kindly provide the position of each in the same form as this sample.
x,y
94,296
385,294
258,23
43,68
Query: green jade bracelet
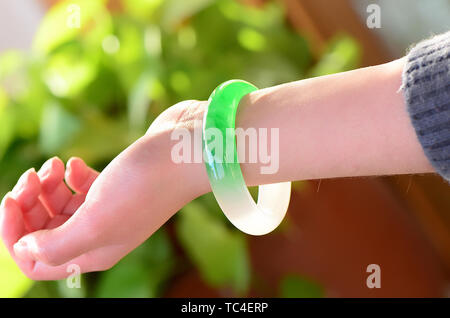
x,y
224,173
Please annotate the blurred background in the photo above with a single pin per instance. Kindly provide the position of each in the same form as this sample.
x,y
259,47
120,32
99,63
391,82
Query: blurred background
x,y
90,89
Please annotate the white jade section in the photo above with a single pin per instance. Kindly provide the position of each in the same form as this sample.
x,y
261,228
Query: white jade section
x,y
251,218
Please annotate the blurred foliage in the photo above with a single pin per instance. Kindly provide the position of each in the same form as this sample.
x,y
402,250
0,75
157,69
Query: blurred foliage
x,y
9,272
142,272
219,253
91,91
294,286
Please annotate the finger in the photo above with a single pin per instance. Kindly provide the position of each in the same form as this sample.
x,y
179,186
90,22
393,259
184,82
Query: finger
x,y
75,202
12,228
97,260
56,221
79,176
56,246
27,189
26,193
55,193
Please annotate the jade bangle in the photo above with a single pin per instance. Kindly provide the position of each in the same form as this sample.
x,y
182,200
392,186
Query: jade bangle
x,y
225,175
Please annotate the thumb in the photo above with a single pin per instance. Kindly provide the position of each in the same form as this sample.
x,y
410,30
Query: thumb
x,y
60,245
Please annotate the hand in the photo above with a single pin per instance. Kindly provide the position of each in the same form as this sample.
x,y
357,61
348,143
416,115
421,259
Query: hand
x,y
45,227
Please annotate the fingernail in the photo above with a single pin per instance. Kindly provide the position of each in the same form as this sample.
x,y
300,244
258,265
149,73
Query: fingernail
x,y
68,170
29,200
24,177
22,251
45,169
21,182
80,167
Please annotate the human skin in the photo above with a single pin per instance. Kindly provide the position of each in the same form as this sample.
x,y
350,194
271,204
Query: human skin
x,y
348,124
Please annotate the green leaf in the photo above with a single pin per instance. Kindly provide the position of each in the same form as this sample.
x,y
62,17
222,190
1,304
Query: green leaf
x,y
10,62
343,54
66,292
141,9
57,289
131,39
180,82
6,123
69,20
142,272
268,16
43,289
58,127
69,71
139,101
293,286
175,11
252,39
14,283
13,73
219,252
100,138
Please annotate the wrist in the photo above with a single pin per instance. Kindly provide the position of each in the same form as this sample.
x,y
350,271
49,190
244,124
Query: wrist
x,y
162,141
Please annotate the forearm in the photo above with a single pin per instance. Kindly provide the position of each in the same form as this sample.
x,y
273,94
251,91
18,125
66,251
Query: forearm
x,y
348,124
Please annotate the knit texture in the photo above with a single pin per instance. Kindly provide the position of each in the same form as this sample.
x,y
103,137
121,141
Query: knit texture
x,y
426,88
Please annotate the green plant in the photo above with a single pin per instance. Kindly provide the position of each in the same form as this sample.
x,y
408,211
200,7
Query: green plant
x,y
294,286
91,91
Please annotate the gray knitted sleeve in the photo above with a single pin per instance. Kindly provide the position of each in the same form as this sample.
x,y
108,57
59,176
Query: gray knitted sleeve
x,y
426,88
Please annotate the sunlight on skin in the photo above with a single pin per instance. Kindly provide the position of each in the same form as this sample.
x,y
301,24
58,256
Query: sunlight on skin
x,y
348,124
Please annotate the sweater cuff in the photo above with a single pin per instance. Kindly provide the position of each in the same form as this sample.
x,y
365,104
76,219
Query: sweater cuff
x,y
426,88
